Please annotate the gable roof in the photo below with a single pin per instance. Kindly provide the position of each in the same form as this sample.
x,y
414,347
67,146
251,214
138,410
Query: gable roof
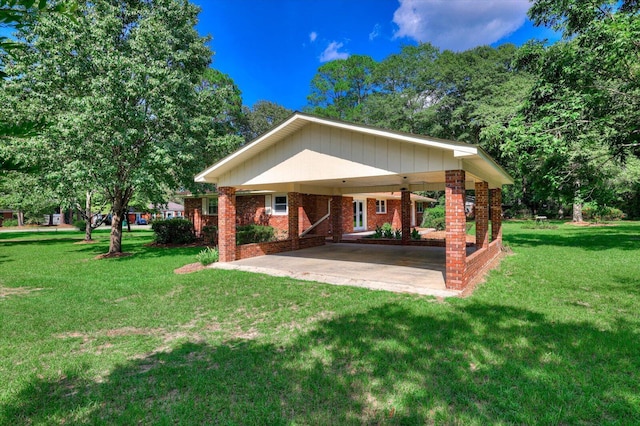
x,y
307,150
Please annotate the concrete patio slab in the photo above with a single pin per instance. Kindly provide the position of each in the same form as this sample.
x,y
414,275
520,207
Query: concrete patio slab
x,y
402,269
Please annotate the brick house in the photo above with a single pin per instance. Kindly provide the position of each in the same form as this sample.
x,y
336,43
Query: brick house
x,y
360,212
313,178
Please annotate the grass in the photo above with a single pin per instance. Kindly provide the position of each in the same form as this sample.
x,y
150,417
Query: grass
x,y
552,337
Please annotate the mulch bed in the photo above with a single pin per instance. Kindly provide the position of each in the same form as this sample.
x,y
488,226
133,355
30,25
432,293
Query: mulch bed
x,y
191,267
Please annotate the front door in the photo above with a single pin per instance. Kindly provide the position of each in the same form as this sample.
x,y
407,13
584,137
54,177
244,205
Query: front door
x,y
359,219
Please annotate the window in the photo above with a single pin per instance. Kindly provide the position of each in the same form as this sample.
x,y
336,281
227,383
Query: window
x,y
280,204
381,206
419,207
210,206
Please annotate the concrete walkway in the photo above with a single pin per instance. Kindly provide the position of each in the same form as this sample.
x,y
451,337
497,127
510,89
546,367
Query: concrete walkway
x,y
402,269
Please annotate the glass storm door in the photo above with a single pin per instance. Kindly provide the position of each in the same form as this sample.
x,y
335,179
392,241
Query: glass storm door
x,y
358,216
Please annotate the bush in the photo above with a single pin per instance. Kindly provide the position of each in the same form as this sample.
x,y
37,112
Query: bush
x,y
415,235
592,211
207,256
434,218
210,234
248,234
173,231
80,224
10,222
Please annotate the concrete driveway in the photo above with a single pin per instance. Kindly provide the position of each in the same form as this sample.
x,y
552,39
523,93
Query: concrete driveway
x,y
403,269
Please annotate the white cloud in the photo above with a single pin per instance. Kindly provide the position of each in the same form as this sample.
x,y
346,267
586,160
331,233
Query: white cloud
x,y
332,52
313,36
375,32
459,24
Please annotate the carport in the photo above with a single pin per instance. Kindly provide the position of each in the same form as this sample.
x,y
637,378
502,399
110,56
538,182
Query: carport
x,y
309,156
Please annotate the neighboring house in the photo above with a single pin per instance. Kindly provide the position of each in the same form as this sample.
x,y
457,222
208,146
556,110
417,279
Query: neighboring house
x,y
313,178
170,210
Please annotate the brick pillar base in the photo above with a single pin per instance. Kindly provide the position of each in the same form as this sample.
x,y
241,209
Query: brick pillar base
x,y
294,216
405,213
482,215
227,223
336,218
496,214
456,222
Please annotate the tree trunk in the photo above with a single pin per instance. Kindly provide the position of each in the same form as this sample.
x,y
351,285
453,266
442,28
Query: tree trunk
x,y
87,221
577,211
577,204
120,204
20,218
51,219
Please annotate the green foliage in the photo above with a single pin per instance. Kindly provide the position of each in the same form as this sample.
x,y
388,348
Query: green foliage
x,y
340,87
593,212
415,234
10,222
210,234
132,109
173,231
262,117
434,218
208,256
80,224
248,234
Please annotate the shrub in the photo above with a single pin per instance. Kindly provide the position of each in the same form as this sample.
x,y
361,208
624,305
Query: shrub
x,y
434,218
210,234
415,235
173,231
248,234
80,224
207,256
10,222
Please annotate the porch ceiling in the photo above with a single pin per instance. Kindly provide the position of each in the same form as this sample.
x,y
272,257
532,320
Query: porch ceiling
x,y
314,155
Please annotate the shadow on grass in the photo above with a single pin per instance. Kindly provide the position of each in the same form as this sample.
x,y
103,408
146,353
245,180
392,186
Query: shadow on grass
x,y
479,364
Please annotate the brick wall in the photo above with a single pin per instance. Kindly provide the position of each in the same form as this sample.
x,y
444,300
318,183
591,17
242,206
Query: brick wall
x,y
496,214
482,214
272,247
455,238
227,224
193,212
347,215
480,262
392,216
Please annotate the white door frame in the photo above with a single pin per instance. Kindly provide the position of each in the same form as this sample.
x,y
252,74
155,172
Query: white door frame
x,y
363,212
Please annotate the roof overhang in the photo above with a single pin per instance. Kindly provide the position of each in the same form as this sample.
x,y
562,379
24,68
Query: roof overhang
x,y
309,153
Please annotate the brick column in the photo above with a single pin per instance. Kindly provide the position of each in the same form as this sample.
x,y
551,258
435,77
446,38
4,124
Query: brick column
x,y
227,223
456,221
336,218
482,215
496,214
294,215
405,214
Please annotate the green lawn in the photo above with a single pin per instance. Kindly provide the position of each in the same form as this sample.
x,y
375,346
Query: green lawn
x,y
552,337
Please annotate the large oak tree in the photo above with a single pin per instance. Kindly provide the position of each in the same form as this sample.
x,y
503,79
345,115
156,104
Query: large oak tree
x,y
120,88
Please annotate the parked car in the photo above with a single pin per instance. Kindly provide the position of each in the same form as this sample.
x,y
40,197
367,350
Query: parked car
x,y
141,221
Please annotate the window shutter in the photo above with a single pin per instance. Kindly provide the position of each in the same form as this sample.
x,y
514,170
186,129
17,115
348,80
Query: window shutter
x,y
267,204
205,206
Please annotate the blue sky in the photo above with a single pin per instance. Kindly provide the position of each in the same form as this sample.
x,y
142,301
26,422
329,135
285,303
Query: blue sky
x,y
273,48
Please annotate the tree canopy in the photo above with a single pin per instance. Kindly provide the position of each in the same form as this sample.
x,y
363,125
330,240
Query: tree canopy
x,y
129,103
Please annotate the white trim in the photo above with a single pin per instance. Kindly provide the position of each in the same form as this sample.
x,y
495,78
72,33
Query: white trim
x,y
274,212
382,203
364,214
206,201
